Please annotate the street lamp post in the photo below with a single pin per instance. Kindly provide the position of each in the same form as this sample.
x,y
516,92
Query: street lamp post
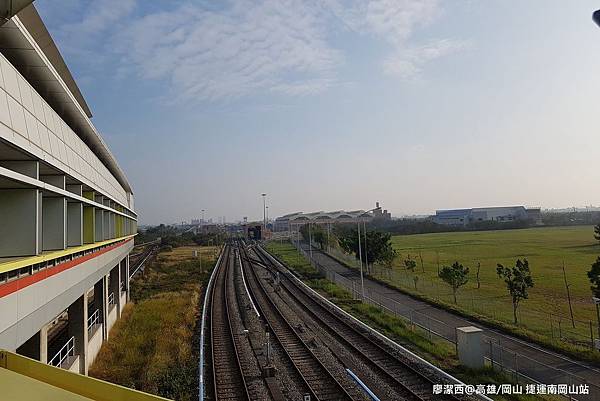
x,y
365,230
597,303
362,279
310,241
264,210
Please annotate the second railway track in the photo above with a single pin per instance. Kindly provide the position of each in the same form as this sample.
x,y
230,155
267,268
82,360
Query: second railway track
x,y
316,346
406,380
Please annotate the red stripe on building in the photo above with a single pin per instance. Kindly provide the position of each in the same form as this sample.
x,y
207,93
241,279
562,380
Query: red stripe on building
x,y
20,283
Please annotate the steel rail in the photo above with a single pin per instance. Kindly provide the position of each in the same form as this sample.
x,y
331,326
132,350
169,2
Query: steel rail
x,y
383,361
228,378
321,383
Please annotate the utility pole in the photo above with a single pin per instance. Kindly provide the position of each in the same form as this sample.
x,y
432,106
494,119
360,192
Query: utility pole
x,y
264,210
366,254
310,241
362,279
568,294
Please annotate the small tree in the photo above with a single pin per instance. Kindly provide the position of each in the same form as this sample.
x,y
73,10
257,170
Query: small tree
x,y
518,280
478,270
316,233
597,232
594,276
378,247
411,265
388,259
455,276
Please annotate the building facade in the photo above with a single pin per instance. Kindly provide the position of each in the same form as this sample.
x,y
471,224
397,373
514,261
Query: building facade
x,y
504,214
67,216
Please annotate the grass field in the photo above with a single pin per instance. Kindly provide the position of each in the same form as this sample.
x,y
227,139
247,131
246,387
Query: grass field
x,y
545,312
151,348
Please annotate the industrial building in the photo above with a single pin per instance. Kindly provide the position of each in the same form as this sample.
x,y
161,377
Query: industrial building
x,y
288,222
503,214
67,217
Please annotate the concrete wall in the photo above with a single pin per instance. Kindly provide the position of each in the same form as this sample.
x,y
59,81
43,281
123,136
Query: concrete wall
x,y
112,317
25,311
94,344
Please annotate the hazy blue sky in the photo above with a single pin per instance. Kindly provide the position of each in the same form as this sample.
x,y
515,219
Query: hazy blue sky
x,y
331,104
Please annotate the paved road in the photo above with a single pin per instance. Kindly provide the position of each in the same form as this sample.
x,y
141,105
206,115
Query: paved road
x,y
540,364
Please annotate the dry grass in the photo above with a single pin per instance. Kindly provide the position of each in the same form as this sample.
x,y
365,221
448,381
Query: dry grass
x,y
151,347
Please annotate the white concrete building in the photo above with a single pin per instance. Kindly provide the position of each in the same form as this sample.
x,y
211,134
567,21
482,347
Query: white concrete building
x,y
67,216
502,214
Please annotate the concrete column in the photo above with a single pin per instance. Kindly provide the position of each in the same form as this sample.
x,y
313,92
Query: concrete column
x,y
78,316
114,286
127,278
44,344
100,303
470,351
105,280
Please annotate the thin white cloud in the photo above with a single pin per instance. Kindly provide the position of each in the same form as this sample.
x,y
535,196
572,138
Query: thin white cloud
x,y
236,48
409,63
395,21
229,53
99,17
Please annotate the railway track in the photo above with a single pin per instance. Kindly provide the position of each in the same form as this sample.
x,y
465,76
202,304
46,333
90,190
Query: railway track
x,y
228,376
320,382
406,380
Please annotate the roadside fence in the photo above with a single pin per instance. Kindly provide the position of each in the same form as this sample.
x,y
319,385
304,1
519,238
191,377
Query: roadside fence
x,y
518,367
555,326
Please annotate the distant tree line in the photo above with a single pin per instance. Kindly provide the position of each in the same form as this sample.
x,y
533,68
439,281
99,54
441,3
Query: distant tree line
x,y
174,237
423,226
410,226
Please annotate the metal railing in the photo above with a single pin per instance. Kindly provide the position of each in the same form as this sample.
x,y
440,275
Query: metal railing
x,y
66,351
520,366
111,299
92,321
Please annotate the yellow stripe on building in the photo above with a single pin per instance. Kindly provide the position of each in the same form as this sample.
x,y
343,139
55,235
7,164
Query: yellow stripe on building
x,y
14,264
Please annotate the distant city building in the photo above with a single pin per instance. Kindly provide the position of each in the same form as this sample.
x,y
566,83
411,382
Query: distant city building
x,y
463,217
293,220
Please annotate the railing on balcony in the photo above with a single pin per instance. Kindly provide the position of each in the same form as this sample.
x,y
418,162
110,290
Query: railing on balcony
x,y
93,320
66,351
111,299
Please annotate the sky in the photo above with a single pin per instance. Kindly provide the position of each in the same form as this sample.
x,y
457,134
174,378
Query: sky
x,y
336,104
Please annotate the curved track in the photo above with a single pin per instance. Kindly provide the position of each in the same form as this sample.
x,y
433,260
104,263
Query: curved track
x,y
404,378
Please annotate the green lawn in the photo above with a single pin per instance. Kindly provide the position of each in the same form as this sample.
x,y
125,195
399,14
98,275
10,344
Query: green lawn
x,y
546,311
